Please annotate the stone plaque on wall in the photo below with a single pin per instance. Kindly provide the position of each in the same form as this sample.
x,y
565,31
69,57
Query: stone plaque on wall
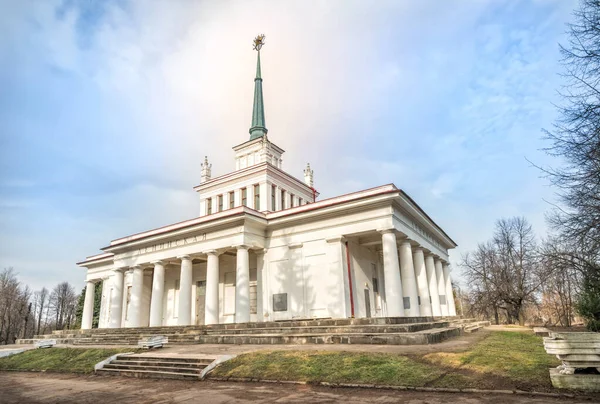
x,y
442,299
407,302
280,302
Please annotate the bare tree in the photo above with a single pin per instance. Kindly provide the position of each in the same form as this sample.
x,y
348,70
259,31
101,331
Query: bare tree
x,y
575,138
62,302
14,307
40,300
505,274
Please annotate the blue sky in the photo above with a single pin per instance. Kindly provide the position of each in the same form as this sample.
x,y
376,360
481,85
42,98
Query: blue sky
x,y
107,109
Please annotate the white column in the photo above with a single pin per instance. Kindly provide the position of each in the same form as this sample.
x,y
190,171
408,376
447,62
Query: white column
x,y
338,270
409,282
391,273
184,316
242,286
211,305
250,196
264,196
103,315
237,198
449,294
158,291
225,200
278,199
433,286
116,303
441,284
422,286
137,285
88,306
260,285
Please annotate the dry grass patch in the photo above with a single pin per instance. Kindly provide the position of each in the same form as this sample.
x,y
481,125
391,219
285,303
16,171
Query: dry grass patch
x,y
70,360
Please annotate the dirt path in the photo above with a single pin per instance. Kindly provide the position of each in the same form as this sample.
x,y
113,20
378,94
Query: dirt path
x,y
57,388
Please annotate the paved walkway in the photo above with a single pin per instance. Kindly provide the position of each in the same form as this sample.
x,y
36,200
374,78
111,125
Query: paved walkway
x,y
65,389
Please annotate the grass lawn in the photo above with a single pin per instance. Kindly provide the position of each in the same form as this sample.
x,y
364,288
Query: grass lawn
x,y
502,360
517,357
72,360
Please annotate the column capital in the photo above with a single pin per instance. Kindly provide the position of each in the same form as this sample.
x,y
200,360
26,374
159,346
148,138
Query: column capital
x,y
159,262
121,269
137,268
260,251
336,239
242,247
213,252
386,231
418,248
184,257
405,242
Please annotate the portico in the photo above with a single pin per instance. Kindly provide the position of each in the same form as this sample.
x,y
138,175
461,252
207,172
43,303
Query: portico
x,y
263,248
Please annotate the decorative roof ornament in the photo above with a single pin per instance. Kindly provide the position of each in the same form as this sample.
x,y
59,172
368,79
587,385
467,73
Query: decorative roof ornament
x,y
258,128
308,176
205,174
259,41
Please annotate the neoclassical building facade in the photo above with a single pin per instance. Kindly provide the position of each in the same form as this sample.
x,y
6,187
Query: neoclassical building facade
x,y
263,248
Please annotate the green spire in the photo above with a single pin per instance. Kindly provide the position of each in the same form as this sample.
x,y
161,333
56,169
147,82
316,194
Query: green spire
x,y
258,128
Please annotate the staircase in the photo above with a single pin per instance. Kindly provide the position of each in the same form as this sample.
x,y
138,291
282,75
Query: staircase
x,y
382,330
157,367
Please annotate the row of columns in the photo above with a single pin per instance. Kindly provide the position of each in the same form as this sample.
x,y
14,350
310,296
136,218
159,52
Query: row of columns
x,y
415,284
186,299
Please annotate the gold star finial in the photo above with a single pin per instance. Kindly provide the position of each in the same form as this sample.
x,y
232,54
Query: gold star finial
x,y
259,41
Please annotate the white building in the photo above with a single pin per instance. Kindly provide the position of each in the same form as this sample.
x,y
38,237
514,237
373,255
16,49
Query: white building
x,y
264,249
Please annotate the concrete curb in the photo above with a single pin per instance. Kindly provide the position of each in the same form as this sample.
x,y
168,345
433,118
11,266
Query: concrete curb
x,y
213,364
398,388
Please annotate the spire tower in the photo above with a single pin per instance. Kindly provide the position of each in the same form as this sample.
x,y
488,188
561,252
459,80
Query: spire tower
x,y
258,128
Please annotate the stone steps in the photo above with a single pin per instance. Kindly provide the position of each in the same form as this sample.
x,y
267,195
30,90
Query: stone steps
x,y
158,367
403,338
390,330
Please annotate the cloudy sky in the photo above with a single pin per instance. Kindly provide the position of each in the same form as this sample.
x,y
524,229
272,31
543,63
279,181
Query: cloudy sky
x,y
107,109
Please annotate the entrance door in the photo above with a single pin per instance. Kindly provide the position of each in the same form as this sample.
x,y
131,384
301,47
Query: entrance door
x,y
200,301
368,302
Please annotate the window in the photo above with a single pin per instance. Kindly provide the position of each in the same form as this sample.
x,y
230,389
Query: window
x,y
208,206
291,200
231,200
253,298
220,200
273,191
244,197
282,199
299,201
257,197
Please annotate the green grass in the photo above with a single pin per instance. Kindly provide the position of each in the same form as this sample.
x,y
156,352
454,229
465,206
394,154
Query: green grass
x,y
333,367
513,355
71,360
504,360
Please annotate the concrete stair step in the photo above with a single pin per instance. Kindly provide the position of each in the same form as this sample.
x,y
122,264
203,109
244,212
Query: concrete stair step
x,y
160,363
148,366
165,359
391,328
149,374
414,338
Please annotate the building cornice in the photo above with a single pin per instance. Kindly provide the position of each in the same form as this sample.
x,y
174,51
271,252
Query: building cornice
x,y
248,171
326,206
